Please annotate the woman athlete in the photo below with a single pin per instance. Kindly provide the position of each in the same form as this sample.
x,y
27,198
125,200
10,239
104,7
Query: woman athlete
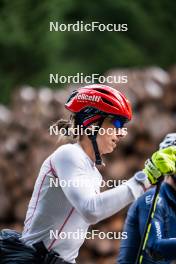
x,y
70,207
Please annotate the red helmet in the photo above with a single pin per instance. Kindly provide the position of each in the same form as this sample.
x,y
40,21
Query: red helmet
x,y
95,102
100,100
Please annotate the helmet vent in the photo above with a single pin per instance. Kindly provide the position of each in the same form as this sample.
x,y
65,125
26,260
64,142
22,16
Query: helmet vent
x,y
102,91
71,96
106,101
105,92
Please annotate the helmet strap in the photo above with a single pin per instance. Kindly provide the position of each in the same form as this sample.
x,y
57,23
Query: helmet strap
x,y
93,137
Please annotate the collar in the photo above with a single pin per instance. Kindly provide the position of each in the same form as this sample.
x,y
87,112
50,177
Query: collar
x,y
85,154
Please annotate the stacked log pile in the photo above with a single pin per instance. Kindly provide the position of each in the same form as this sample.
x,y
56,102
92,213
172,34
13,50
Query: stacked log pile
x,y
25,142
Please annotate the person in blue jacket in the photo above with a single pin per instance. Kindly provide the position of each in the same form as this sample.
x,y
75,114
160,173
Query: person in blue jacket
x,y
161,244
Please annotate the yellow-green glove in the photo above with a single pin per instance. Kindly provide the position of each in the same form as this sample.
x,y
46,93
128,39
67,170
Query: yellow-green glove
x,y
163,162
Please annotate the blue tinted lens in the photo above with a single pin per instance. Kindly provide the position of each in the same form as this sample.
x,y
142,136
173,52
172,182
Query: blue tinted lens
x,y
117,123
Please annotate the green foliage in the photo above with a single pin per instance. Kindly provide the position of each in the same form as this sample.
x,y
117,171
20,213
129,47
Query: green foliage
x,y
29,51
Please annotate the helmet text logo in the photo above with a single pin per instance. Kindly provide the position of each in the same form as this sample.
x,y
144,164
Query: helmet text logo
x,y
85,97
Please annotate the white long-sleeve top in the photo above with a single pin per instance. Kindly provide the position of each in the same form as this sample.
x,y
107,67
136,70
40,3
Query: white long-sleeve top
x,y
72,205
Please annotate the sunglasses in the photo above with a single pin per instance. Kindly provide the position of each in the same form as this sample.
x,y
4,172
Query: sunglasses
x,y
118,123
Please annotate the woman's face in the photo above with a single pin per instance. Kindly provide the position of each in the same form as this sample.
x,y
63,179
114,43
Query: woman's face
x,y
108,136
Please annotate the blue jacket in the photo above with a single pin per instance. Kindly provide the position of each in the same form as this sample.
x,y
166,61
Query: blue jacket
x,y
160,245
